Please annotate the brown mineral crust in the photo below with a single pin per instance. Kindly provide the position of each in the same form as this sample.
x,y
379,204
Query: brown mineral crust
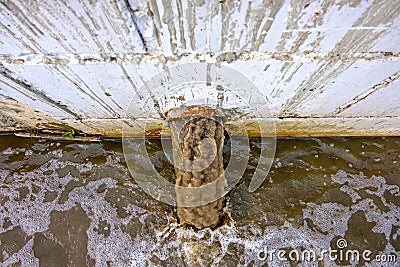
x,y
192,111
187,139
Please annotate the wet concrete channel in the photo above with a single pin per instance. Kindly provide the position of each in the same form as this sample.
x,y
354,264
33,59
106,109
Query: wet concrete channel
x,y
71,203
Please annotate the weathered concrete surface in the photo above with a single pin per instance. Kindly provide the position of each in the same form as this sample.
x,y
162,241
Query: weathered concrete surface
x,y
365,126
18,116
325,68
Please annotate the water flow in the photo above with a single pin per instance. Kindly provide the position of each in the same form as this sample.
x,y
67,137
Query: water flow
x,y
75,203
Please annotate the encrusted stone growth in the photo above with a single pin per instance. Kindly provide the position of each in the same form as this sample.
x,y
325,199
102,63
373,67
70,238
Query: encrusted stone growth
x,y
198,164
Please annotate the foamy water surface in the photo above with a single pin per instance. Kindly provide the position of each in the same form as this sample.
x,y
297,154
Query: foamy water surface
x,y
69,203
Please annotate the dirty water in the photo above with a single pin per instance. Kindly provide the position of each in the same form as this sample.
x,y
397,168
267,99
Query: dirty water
x,y
70,203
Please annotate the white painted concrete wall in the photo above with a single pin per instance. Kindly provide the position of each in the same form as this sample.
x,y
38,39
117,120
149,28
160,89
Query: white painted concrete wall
x,y
321,64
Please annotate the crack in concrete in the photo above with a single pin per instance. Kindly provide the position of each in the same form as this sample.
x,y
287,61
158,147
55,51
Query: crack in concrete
x,y
6,73
133,18
374,89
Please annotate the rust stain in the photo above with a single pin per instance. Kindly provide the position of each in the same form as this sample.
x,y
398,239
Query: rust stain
x,y
192,111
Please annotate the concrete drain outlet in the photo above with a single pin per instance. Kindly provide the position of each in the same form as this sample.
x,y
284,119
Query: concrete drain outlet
x,y
197,142
201,102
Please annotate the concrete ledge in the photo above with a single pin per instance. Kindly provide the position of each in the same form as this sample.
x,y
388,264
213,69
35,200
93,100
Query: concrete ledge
x,y
16,116
299,127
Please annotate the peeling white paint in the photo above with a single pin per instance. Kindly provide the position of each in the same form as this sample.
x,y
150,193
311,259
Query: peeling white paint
x,y
77,60
380,103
